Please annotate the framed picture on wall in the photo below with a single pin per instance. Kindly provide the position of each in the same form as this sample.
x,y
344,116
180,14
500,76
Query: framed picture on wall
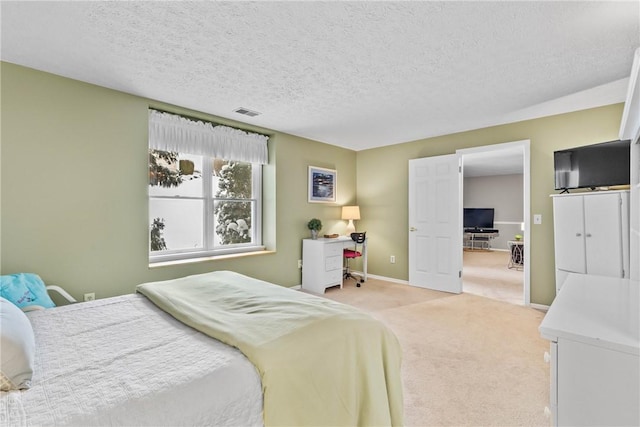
x,y
323,184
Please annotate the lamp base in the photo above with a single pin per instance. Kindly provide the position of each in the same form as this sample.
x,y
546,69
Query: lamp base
x,y
350,228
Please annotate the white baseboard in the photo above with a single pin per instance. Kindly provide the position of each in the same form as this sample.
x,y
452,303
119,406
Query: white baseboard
x,y
388,279
406,282
539,306
373,276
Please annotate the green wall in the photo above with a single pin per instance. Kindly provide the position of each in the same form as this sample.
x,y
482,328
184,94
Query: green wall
x,y
74,188
383,181
73,191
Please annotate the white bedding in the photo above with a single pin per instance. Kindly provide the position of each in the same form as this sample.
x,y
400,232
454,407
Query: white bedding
x,y
122,361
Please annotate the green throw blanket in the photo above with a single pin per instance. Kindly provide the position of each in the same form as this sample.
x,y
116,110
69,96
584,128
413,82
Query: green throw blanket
x,y
322,363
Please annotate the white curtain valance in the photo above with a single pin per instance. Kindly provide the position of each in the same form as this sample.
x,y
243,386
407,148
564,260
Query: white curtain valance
x,y
170,132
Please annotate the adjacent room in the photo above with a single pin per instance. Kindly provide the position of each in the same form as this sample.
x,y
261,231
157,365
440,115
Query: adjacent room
x,y
493,221
180,181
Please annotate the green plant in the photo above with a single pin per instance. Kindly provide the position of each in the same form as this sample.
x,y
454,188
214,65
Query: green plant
x,y
314,224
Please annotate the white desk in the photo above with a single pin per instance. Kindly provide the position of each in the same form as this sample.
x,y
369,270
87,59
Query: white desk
x,y
322,262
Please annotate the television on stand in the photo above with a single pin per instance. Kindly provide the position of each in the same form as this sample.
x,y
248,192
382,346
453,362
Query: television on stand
x,y
478,218
606,164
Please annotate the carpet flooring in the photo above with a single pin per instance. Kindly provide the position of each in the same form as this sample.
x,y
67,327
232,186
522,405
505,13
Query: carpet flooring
x,y
467,360
486,273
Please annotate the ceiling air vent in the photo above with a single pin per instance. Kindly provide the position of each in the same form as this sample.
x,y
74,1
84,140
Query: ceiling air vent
x,y
246,112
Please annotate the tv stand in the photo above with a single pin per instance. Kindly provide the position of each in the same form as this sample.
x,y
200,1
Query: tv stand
x,y
479,239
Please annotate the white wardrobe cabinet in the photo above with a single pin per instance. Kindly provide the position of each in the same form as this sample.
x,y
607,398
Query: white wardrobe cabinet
x,y
591,234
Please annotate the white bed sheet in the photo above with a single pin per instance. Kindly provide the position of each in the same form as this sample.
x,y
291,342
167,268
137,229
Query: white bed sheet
x,y
123,361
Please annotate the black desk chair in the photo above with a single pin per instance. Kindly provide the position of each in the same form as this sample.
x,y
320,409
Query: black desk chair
x,y
358,239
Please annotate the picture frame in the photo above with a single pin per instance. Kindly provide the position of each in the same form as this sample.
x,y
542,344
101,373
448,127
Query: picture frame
x,y
323,185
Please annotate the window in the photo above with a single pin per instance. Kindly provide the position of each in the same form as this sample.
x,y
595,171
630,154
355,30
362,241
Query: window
x,y
201,205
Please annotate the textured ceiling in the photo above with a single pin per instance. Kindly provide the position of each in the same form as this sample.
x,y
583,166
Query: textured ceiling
x,y
352,74
506,161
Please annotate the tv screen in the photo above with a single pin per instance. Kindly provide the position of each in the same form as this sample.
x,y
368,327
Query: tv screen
x,y
477,218
598,165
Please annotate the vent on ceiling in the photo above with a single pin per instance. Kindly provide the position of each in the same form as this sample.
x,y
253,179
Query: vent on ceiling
x,y
246,112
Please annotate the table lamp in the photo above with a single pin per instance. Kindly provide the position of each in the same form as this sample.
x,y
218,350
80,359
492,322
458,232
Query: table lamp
x,y
350,213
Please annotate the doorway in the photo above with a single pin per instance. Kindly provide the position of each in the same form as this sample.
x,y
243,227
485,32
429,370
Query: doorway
x,y
489,270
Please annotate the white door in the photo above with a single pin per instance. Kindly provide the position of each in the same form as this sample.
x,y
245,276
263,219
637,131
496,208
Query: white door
x,y
435,225
568,220
603,234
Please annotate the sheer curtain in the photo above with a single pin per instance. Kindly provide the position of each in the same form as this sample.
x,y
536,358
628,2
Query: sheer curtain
x,y
171,132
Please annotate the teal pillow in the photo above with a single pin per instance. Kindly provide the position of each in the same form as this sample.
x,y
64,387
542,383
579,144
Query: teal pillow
x,y
25,289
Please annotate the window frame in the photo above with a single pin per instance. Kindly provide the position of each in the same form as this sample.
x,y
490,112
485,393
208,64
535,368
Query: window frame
x,y
210,250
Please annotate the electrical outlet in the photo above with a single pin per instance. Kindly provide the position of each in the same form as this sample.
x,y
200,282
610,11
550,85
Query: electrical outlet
x,y
537,219
299,263
392,259
90,296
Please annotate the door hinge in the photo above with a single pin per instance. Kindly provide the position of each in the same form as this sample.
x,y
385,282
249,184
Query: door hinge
x,y
459,169
460,274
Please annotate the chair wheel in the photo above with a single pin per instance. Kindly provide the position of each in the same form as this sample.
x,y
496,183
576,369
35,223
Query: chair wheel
x,y
358,284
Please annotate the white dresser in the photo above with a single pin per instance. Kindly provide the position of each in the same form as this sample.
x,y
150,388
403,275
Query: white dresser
x,y
322,262
594,329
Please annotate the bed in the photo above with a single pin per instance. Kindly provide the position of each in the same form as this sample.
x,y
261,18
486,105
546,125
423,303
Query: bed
x,y
212,349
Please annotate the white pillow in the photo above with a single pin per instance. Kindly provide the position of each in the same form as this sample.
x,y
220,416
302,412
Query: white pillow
x,y
17,348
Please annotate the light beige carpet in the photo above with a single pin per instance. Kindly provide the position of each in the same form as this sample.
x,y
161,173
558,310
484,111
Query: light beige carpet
x,y
485,273
467,360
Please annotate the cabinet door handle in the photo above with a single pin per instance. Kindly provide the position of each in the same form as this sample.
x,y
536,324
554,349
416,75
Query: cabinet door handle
x,y
578,234
588,234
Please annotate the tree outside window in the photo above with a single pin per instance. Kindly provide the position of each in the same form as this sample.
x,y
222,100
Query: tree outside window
x,y
181,212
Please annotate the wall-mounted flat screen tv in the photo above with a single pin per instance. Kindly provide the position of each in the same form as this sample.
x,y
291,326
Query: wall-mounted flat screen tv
x,y
477,218
591,166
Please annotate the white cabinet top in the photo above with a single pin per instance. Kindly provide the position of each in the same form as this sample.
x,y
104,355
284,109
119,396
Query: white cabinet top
x,y
597,310
589,193
340,239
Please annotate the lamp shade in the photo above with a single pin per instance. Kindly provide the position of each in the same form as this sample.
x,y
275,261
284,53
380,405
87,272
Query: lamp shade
x,y
351,212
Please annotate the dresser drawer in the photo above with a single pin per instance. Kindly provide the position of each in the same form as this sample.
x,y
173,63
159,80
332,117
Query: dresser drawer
x,y
333,263
333,249
334,277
